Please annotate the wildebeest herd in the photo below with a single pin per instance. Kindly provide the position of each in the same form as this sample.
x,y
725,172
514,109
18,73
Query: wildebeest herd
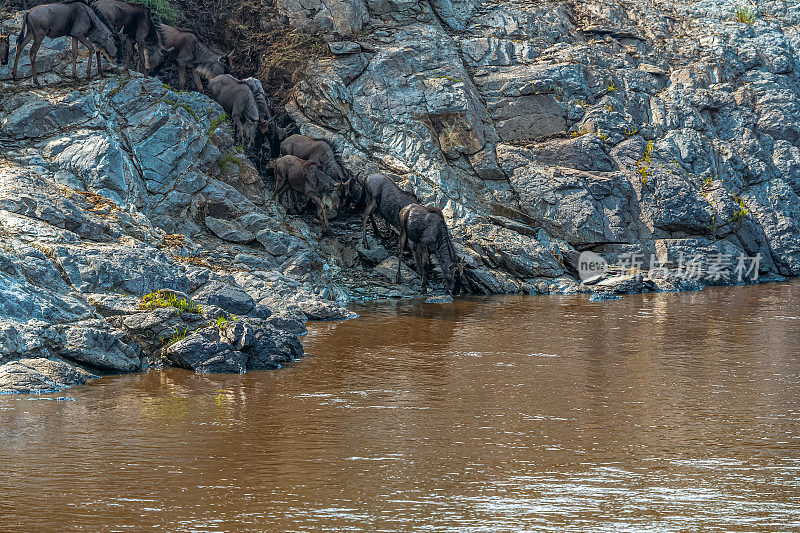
x,y
128,32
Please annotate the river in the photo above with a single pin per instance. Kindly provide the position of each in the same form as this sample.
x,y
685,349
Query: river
x,y
655,412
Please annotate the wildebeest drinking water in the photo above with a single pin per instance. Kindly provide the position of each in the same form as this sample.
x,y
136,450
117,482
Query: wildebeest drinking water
x,y
4,49
426,228
73,18
306,177
137,24
382,193
187,51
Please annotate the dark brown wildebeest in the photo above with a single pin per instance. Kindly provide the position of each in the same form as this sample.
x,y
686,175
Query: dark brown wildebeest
x,y
137,24
238,101
381,192
426,228
73,18
315,149
307,178
187,51
4,49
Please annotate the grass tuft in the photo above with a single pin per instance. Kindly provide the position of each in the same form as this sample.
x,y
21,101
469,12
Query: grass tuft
x,y
161,299
216,123
178,336
746,15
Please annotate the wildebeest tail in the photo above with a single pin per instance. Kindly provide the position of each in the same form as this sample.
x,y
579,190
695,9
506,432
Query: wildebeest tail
x,y
21,36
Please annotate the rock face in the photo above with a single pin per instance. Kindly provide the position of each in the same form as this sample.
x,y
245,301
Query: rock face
x,y
542,130
635,128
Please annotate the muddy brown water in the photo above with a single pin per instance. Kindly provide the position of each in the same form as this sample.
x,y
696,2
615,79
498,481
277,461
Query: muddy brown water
x,y
656,412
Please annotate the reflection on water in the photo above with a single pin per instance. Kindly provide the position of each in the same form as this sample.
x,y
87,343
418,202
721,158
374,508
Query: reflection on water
x,y
653,412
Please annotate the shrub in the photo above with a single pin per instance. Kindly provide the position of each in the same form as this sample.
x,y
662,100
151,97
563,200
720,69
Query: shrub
x,y
162,8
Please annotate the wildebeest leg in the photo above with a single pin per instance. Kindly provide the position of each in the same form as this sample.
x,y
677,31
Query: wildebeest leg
x,y
280,187
400,251
323,216
422,258
377,231
372,204
182,76
74,58
198,81
88,45
34,48
142,61
25,42
237,121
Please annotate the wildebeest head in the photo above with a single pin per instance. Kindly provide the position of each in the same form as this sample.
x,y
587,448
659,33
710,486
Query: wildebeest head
x,y
263,125
343,190
109,43
328,189
4,49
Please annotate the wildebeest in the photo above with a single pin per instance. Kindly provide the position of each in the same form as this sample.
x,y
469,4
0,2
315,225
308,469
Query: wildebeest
x,y
382,193
4,49
307,178
73,18
426,228
238,101
137,24
314,149
187,50
266,120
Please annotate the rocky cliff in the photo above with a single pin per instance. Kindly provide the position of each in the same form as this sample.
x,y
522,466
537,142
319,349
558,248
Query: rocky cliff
x,y
546,128
663,129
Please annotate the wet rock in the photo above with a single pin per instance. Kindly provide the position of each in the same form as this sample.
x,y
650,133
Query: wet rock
x,y
375,254
273,348
387,269
206,352
95,345
40,375
319,309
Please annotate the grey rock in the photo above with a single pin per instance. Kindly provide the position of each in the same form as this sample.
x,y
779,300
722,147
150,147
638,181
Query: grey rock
x,y
229,230
231,298
206,352
39,375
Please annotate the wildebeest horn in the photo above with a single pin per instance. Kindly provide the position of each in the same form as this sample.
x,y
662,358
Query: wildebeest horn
x,y
122,30
346,183
170,49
